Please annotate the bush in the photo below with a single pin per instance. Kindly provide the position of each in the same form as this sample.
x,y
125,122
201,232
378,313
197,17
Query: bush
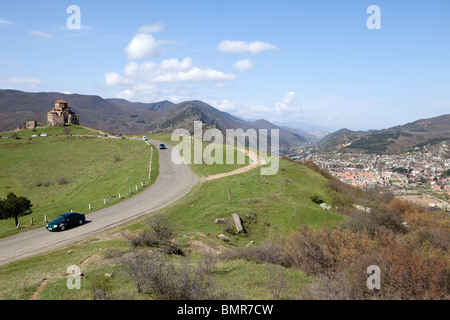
x,y
404,275
316,199
161,228
268,252
62,181
337,287
100,287
143,238
163,280
383,194
172,249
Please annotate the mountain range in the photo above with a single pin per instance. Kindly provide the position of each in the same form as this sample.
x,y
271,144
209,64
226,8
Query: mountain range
x,y
397,139
122,116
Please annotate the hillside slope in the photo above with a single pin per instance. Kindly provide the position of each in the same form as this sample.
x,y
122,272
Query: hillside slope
x,y
119,115
392,140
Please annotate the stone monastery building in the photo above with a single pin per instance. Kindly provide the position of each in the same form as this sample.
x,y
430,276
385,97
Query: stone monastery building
x,y
61,115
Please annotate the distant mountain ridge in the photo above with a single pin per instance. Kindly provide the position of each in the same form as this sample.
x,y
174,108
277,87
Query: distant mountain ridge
x,y
396,139
119,115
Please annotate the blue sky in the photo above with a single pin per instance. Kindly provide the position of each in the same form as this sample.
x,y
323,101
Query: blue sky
x,y
313,62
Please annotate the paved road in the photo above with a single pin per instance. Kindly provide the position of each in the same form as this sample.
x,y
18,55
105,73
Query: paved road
x,y
173,182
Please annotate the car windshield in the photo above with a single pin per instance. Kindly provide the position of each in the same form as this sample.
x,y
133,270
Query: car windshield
x,y
61,218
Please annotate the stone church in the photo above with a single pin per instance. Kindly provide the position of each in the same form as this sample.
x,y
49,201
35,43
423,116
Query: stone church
x,y
61,115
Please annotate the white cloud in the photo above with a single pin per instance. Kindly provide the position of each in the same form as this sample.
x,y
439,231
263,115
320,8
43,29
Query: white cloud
x,y
168,71
226,106
195,74
114,79
287,108
176,65
152,28
243,65
245,47
288,104
142,46
126,94
170,77
29,83
246,111
6,22
41,34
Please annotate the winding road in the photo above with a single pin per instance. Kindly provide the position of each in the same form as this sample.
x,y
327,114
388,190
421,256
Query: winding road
x,y
173,182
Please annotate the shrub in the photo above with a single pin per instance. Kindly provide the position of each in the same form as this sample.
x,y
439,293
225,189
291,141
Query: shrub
x,y
154,274
172,249
161,228
268,252
275,283
62,181
404,274
383,194
336,287
316,199
142,238
100,287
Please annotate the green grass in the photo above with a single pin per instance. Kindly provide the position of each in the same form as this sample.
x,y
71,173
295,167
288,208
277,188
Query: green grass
x,y
250,280
21,278
74,130
203,169
93,168
270,207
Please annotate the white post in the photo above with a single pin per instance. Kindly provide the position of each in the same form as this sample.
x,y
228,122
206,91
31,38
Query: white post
x,y
31,221
104,200
45,218
89,206
150,166
120,196
136,188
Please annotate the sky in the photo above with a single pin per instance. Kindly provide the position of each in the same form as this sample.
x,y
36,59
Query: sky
x,y
325,63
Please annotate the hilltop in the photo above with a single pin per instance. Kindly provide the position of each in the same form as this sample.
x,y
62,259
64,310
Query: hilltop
x,y
396,139
119,115
59,173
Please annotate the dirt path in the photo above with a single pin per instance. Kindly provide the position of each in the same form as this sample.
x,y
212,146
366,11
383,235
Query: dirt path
x,y
255,162
39,289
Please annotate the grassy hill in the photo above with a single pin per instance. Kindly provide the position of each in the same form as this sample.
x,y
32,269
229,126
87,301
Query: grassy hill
x,y
122,116
291,246
59,174
270,206
397,139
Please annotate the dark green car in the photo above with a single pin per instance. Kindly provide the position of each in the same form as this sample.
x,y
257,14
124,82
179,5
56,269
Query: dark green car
x,y
65,221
